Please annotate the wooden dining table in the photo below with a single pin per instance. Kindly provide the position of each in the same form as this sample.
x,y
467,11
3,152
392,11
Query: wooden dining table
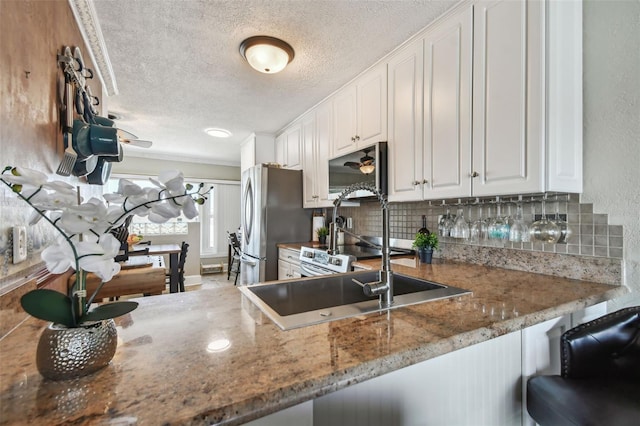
x,y
173,250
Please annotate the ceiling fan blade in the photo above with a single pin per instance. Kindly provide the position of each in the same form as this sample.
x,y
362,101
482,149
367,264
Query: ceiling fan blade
x,y
352,164
137,142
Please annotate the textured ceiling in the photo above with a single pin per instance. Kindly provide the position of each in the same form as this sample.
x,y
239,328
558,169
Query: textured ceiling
x,y
179,71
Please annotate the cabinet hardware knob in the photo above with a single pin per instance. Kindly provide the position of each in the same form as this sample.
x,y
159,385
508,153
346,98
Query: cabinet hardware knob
x,y
475,174
357,137
415,183
353,138
425,181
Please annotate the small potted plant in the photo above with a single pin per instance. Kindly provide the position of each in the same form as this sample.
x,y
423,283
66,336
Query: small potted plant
x,y
425,244
322,232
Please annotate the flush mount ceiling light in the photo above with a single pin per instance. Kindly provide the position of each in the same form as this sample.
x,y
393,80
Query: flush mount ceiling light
x,y
217,133
266,54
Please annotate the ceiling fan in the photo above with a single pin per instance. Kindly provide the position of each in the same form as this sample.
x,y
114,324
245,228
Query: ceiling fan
x,y
366,164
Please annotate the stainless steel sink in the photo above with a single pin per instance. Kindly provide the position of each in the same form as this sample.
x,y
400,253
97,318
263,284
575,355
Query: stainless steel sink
x,y
298,303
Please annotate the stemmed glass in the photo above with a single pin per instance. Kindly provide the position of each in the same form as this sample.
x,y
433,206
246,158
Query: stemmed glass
x,y
519,231
460,227
446,223
545,230
565,231
478,229
498,227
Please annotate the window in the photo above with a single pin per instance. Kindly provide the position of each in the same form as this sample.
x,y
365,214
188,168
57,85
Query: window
x,y
218,215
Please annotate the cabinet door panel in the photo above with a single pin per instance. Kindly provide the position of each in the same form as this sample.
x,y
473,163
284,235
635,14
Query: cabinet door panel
x,y
507,97
405,123
309,161
372,107
323,144
447,107
344,120
293,142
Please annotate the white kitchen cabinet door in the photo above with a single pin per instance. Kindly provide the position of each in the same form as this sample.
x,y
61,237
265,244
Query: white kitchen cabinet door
x,y
345,121
324,133
372,107
360,112
292,147
309,160
316,139
405,123
280,146
447,107
508,97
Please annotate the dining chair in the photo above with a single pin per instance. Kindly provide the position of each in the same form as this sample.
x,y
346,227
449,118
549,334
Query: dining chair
x,y
234,263
182,259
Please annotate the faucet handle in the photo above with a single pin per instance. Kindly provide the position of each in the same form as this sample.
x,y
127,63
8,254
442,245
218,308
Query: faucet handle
x,y
372,289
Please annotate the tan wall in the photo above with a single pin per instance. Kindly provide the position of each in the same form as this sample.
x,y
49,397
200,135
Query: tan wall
x,y
32,34
152,167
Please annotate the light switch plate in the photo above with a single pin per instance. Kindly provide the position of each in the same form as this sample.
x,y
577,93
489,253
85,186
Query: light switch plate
x,y
19,244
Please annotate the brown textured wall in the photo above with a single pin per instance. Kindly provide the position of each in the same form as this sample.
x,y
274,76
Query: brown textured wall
x,y
31,34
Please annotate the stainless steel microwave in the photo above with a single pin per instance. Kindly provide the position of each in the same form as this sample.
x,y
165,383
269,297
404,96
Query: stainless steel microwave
x,y
367,165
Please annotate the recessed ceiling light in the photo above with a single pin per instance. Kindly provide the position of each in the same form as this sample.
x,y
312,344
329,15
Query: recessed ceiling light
x,y
218,133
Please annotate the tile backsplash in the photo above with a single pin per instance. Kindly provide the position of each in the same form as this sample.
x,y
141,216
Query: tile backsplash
x,y
591,234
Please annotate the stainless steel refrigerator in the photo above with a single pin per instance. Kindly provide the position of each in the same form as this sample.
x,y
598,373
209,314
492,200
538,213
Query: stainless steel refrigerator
x,y
272,213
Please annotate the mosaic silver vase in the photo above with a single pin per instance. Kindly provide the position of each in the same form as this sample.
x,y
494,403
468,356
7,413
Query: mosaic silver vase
x,y
67,353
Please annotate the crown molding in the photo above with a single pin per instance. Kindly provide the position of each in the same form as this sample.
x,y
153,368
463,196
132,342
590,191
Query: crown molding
x,y
87,19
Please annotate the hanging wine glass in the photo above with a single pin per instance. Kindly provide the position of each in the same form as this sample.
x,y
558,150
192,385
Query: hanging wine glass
x,y
565,231
478,230
545,230
445,224
519,231
498,227
460,227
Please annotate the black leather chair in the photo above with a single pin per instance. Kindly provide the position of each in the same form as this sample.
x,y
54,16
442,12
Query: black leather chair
x,y
182,259
600,377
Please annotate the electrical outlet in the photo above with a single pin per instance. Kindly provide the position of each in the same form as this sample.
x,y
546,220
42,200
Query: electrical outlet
x,y
19,244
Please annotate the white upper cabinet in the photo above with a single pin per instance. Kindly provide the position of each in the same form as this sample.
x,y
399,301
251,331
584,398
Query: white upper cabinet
x,y
527,97
316,140
430,113
508,131
405,123
502,103
447,107
288,147
360,112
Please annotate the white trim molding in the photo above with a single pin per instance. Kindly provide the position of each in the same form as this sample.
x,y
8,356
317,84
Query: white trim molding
x,y
87,19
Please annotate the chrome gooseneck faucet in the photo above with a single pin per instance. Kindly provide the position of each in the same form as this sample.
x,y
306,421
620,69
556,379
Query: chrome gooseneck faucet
x,y
384,286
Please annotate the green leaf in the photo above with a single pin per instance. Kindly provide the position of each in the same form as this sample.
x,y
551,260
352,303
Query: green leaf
x,y
109,310
48,305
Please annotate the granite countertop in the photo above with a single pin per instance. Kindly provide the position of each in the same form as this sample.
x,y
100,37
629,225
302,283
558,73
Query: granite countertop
x,y
163,372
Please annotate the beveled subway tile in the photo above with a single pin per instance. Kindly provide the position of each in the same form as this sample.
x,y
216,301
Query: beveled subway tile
x,y
586,239
573,249
615,253
586,250
602,230
600,219
600,251
615,230
586,219
586,229
601,240
615,242
586,208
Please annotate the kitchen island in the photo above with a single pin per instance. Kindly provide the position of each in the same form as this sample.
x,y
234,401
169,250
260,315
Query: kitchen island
x,y
209,356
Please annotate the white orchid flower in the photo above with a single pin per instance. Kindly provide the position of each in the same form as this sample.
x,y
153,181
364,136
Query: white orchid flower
x,y
79,219
22,176
189,208
99,257
128,188
59,257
